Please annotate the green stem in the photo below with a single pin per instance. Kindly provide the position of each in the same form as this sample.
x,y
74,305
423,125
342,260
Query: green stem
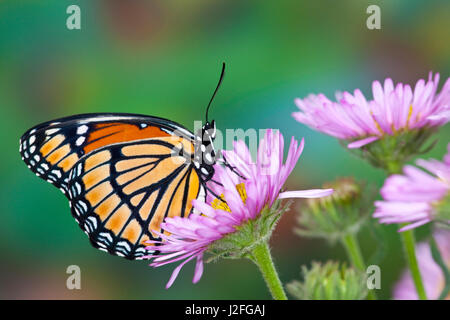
x,y
409,245
410,251
262,258
393,167
354,254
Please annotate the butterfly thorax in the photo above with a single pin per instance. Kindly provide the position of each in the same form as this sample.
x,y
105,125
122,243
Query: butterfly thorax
x,y
205,156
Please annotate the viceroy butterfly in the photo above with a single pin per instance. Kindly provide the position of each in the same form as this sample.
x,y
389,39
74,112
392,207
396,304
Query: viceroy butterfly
x,y
123,173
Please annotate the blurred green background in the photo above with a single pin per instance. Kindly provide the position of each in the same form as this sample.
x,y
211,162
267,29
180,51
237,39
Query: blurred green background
x,y
163,58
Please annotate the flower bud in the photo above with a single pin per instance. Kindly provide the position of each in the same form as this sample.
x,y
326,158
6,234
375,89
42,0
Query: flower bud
x,y
329,281
337,215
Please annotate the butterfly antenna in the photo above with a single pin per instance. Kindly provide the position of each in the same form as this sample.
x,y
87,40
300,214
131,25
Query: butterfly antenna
x,y
222,74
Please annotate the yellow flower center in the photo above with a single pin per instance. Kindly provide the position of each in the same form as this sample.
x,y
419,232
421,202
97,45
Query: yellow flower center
x,y
222,205
377,125
409,115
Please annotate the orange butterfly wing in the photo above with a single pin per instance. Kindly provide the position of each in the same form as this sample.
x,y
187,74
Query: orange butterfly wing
x,y
121,193
120,173
51,149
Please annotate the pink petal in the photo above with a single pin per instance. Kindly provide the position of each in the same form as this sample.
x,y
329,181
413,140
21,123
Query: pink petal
x,y
176,271
414,225
198,269
313,193
443,115
359,143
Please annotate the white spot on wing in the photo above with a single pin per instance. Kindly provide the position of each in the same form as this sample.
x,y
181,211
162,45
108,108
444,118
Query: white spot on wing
x,y
102,246
78,186
80,141
82,129
79,168
107,236
57,173
142,250
93,221
81,203
49,132
124,245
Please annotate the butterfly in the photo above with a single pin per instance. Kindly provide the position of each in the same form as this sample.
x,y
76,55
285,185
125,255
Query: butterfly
x,y
123,173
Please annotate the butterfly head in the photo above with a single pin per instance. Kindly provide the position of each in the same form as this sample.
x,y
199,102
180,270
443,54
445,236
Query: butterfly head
x,y
209,130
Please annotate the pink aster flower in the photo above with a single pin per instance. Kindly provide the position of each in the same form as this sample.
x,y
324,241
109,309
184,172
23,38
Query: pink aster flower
x,y
416,197
432,275
244,195
394,108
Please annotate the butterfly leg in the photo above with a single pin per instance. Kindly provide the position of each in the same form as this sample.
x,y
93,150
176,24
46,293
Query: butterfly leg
x,y
216,182
228,165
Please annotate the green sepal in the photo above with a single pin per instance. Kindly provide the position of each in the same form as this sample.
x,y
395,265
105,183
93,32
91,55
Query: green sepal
x,y
249,234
